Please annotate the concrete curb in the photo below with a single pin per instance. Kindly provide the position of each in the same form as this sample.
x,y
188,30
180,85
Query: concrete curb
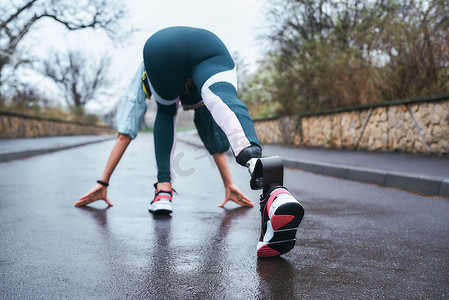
x,y
425,185
5,157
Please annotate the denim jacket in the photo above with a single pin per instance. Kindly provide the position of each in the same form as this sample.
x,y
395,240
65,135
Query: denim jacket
x,y
132,107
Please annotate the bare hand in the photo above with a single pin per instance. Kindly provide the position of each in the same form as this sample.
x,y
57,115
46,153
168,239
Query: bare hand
x,y
99,192
234,194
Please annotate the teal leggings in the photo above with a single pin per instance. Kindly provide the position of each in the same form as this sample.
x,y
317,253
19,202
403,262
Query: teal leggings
x,y
171,57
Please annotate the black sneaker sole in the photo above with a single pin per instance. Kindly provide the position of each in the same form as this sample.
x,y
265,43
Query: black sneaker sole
x,y
286,218
160,212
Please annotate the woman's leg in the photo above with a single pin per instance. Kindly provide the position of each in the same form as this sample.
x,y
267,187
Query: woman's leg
x,y
219,94
211,135
165,139
233,117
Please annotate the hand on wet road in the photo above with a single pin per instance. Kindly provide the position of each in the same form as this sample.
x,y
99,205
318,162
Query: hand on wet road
x,y
234,194
99,192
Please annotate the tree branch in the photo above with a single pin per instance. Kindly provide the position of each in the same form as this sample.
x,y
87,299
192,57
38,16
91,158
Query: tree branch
x,y
19,11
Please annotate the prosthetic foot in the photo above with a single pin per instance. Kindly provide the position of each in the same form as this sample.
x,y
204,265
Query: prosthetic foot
x,y
281,212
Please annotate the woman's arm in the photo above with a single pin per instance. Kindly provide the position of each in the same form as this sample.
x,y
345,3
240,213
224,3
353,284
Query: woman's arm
x,y
99,192
120,146
232,192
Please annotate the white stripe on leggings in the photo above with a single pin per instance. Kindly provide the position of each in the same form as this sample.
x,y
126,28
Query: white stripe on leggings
x,y
229,76
226,119
172,152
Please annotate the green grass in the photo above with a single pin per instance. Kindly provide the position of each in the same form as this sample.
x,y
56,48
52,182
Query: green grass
x,y
148,130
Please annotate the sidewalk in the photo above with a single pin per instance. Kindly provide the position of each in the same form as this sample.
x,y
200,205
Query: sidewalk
x,y
11,149
424,174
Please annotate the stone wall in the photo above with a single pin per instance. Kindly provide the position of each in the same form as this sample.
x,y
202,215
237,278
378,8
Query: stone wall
x,y
21,126
419,126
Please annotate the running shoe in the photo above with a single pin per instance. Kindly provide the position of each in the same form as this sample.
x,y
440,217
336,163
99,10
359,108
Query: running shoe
x,y
281,215
162,202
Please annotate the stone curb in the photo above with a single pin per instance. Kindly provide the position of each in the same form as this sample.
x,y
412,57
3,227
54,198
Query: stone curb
x,y
5,157
425,185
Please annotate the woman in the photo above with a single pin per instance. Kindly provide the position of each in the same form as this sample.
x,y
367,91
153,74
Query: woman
x,y
192,66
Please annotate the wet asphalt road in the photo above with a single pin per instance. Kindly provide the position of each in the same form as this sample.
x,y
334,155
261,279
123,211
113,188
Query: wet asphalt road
x,y
356,240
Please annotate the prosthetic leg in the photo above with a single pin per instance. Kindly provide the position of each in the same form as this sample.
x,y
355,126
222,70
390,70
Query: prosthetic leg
x,y
268,171
281,212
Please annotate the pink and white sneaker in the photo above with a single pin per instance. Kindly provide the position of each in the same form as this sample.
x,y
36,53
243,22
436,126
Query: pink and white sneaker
x,y
281,215
162,202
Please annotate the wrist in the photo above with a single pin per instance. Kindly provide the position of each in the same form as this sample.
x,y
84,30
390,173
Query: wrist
x,y
228,184
103,183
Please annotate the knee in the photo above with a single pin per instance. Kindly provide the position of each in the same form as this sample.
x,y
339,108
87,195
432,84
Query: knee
x,y
168,110
253,151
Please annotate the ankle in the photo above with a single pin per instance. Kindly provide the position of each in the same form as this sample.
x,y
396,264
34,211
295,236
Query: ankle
x,y
164,186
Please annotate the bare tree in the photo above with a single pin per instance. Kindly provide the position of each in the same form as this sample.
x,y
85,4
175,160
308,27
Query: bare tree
x,y
18,17
79,78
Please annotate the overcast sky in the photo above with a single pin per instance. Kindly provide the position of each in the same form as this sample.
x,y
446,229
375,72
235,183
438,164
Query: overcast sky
x,y
239,23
